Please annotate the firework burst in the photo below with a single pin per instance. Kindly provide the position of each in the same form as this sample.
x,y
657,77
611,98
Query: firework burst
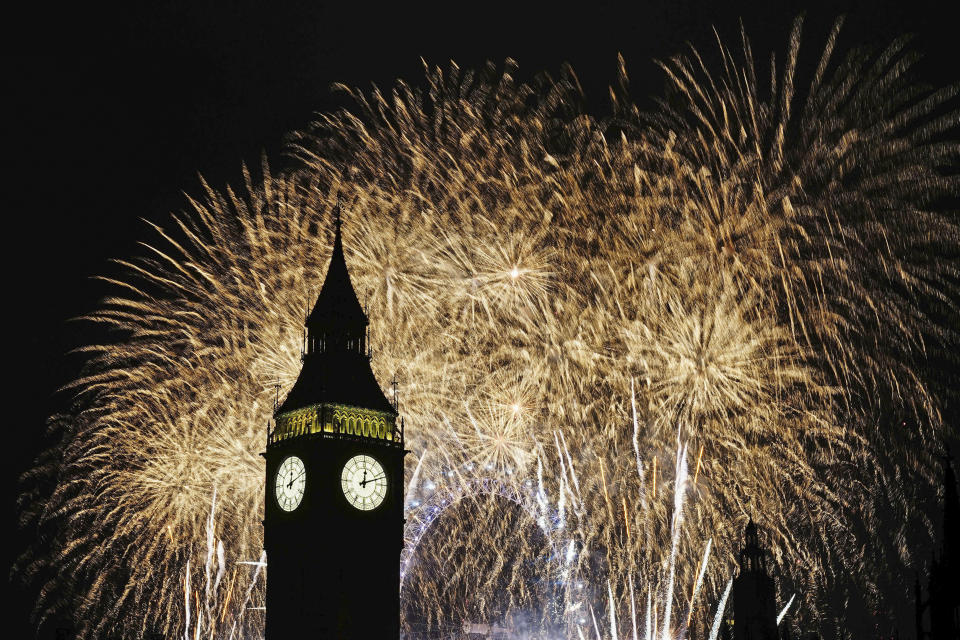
x,y
756,261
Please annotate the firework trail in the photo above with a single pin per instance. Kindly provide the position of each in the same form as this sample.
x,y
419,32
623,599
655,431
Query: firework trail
x,y
758,259
218,596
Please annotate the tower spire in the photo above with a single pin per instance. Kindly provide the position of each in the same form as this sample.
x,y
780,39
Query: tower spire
x,y
336,363
752,556
951,514
337,233
337,311
754,603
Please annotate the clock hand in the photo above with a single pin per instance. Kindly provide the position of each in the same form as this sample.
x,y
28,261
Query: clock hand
x,y
365,482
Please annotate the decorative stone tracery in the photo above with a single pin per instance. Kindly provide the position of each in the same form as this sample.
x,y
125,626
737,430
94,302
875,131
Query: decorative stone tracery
x,y
336,420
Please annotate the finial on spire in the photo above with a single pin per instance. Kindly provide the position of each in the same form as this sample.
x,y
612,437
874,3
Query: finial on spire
x,y
336,214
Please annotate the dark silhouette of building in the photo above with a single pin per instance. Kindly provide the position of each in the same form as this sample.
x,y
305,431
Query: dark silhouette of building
x,y
333,527
754,604
942,605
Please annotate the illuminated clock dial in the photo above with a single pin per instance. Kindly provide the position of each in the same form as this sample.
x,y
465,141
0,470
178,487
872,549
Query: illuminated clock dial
x,y
364,482
291,481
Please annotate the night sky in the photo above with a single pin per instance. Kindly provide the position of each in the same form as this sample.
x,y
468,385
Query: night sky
x,y
117,109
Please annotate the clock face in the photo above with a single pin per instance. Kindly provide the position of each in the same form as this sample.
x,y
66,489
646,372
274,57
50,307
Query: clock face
x,y
291,481
364,482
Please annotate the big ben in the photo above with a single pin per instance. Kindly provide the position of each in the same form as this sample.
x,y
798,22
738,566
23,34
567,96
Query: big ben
x,y
333,517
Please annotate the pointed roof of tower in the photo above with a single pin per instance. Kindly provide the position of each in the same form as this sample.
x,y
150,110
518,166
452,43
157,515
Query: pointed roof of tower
x,y
752,555
750,534
337,301
340,373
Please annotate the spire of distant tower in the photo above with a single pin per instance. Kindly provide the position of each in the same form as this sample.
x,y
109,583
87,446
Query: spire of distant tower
x,y
951,515
752,556
942,604
754,601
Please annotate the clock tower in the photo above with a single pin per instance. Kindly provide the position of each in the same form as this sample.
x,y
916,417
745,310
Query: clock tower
x,y
333,516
